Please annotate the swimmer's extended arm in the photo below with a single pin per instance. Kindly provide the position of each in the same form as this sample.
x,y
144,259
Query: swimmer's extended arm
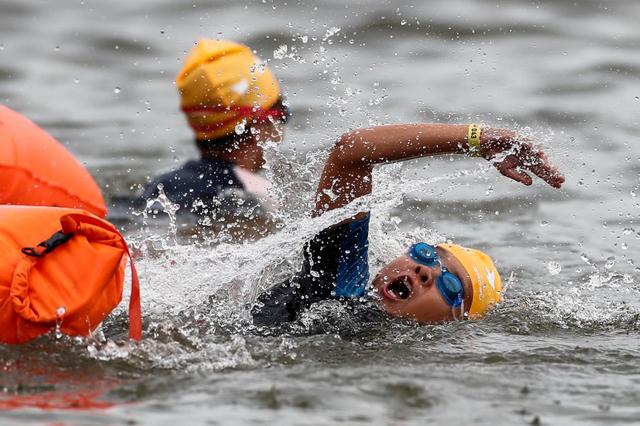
x,y
347,172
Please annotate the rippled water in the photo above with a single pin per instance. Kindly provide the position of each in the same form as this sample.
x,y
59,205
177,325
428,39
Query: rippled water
x,y
563,347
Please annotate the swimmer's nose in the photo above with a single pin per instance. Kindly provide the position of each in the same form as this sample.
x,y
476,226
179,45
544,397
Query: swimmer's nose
x,y
424,275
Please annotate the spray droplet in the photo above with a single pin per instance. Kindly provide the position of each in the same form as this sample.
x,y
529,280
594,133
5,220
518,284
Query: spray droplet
x,y
240,127
489,191
280,52
331,32
611,261
76,80
637,98
624,246
117,90
554,268
544,223
59,316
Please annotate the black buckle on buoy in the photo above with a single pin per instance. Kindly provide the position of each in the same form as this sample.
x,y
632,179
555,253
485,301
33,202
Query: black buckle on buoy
x,y
56,239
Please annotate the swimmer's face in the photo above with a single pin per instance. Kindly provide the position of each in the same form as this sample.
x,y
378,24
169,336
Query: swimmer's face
x,y
408,289
268,131
261,133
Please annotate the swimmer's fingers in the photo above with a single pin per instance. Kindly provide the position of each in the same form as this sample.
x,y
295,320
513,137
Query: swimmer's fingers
x,y
509,167
521,155
537,162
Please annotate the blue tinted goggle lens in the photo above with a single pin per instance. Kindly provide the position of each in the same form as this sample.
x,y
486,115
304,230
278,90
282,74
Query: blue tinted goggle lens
x,y
424,253
451,289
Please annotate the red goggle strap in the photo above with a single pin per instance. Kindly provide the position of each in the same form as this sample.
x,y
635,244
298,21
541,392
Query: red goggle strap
x,y
258,114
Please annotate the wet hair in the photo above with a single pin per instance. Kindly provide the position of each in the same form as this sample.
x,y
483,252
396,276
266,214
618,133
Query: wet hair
x,y
233,140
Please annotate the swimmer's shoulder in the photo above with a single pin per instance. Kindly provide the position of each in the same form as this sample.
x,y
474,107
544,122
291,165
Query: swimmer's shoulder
x,y
335,265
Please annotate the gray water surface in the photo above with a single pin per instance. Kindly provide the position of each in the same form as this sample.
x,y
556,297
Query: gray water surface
x,y
562,348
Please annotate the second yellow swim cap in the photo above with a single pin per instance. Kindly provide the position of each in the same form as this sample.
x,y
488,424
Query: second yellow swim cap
x,y
487,284
221,84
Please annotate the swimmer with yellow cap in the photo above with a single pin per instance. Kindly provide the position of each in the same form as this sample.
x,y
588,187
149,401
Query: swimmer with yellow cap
x,y
427,284
223,84
233,104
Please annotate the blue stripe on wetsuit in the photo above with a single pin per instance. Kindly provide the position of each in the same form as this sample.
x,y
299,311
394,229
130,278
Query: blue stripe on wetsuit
x,y
353,263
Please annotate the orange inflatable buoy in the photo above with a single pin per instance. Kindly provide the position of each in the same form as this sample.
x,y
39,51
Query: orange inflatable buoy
x,y
36,170
61,269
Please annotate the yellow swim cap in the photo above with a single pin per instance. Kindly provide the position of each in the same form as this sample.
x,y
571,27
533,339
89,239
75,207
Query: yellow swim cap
x,y
221,84
487,284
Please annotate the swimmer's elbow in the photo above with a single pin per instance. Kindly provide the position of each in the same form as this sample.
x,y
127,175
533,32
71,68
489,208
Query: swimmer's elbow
x,y
348,149
348,141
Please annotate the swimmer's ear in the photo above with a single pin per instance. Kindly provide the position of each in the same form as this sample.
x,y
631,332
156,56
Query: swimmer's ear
x,y
509,167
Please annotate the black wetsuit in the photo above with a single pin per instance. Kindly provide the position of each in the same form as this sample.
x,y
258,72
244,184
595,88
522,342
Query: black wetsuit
x,y
197,186
336,265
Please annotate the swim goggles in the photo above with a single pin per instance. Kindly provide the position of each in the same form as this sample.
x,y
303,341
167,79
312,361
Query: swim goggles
x,y
281,113
449,285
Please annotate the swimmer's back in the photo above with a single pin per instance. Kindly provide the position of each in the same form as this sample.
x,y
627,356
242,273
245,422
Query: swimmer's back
x,y
197,181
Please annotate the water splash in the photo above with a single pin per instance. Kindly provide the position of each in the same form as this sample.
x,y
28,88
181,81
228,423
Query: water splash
x,y
280,52
554,268
60,312
241,127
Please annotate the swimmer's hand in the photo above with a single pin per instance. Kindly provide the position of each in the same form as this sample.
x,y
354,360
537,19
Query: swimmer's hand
x,y
512,156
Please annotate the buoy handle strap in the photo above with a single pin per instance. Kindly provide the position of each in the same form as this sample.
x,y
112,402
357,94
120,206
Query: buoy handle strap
x,y
49,245
135,310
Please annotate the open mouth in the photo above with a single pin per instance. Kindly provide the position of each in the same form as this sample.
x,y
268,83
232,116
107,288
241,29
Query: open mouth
x,y
398,289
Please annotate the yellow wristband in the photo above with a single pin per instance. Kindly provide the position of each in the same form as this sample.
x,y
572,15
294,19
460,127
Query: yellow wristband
x,y
473,139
